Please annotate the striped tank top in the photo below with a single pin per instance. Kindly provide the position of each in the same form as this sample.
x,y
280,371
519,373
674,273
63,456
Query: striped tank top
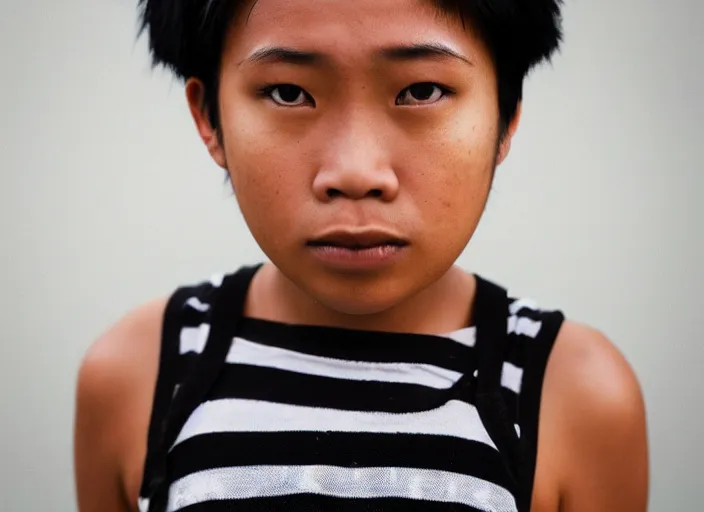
x,y
254,415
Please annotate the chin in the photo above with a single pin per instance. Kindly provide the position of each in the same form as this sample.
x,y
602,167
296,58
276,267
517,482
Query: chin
x,y
360,296
353,306
360,293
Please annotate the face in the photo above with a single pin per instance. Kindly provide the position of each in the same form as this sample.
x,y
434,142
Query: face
x,y
360,138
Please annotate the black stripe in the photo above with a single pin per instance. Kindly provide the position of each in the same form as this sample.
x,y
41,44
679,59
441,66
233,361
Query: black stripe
x,y
415,397
443,453
261,383
315,503
270,384
512,402
516,348
281,386
521,347
354,345
192,318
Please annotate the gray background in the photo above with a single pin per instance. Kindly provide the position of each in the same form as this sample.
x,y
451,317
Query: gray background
x,y
107,198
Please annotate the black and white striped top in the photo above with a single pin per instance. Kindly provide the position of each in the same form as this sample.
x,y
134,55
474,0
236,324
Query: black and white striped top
x,y
305,418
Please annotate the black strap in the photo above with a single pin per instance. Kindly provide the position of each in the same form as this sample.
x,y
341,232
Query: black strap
x,y
491,313
166,380
228,306
534,367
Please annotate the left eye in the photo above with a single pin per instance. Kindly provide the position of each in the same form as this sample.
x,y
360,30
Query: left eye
x,y
423,93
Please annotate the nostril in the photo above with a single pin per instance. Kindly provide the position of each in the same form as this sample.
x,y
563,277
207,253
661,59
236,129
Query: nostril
x,y
333,193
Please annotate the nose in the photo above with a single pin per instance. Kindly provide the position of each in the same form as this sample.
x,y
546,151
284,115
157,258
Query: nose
x,y
355,164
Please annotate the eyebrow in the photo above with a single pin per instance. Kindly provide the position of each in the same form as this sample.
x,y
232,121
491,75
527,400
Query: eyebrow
x,y
411,52
421,51
274,54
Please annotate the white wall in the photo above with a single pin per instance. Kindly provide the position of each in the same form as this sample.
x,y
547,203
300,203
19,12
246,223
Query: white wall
x,y
107,199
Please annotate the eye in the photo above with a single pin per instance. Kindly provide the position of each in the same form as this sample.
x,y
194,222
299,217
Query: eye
x,y
424,93
288,95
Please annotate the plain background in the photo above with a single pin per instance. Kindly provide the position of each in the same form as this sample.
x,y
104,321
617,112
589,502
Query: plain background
x,y
107,199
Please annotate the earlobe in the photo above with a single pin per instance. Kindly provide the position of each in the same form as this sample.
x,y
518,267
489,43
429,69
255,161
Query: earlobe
x,y
504,149
195,94
505,145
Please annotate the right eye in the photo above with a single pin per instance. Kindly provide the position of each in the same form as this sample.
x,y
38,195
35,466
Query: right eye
x,y
288,95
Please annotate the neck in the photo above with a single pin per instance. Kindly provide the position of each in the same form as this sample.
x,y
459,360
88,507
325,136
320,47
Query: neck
x,y
440,308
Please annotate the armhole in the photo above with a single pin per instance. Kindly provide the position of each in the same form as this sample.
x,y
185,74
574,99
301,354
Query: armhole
x,y
167,375
536,360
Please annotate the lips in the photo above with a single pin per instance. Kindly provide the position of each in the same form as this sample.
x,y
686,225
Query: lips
x,y
358,240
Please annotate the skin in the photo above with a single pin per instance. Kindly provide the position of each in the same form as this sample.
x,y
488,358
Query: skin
x,y
360,151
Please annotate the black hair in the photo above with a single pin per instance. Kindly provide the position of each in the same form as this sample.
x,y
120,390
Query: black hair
x,y
187,36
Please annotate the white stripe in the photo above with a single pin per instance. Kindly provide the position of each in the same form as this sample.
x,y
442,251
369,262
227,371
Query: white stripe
x,y
235,483
193,339
196,304
251,353
217,279
520,304
524,326
466,336
454,418
512,377
143,504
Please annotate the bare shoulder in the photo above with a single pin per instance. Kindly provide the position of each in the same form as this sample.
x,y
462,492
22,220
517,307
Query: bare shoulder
x,y
115,390
590,368
126,350
594,402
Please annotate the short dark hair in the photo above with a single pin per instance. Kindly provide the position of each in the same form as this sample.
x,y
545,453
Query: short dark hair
x,y
187,37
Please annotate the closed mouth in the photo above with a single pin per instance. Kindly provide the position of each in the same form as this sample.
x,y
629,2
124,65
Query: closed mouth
x,y
358,247
358,241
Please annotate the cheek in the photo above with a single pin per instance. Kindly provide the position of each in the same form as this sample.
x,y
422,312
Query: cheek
x,y
457,168
265,175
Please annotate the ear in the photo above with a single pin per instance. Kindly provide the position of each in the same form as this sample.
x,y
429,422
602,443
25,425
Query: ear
x,y
505,144
195,94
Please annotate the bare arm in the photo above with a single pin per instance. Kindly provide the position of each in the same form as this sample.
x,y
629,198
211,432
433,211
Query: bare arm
x,y
602,420
96,454
114,393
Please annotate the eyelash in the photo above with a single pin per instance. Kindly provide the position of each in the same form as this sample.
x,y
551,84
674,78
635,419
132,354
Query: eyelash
x,y
444,91
267,91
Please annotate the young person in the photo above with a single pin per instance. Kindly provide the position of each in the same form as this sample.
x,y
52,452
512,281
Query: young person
x,y
359,369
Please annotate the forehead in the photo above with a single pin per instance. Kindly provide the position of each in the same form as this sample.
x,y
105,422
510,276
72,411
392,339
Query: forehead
x,y
347,28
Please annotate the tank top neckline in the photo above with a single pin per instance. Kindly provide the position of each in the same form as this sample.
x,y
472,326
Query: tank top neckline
x,y
465,335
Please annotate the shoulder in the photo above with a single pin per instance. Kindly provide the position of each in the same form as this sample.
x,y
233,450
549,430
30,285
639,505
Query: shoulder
x,y
126,350
118,382
594,403
115,388
127,354
131,347
119,368
592,379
